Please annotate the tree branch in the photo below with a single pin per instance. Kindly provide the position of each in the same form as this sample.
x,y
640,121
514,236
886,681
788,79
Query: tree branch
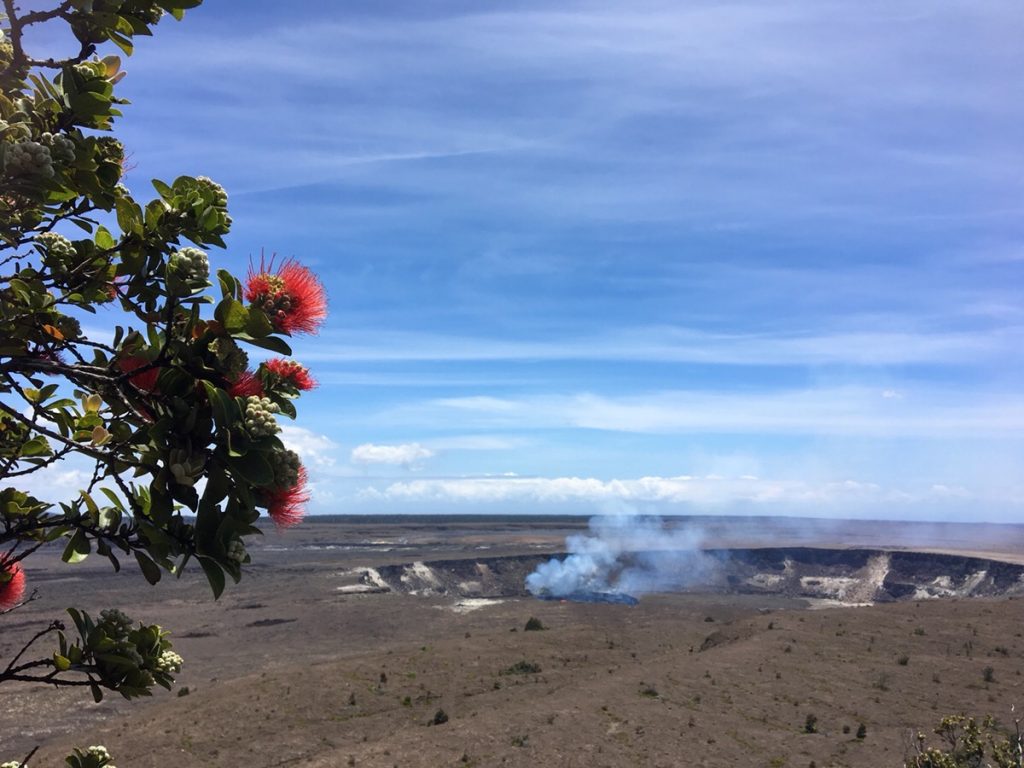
x,y
55,626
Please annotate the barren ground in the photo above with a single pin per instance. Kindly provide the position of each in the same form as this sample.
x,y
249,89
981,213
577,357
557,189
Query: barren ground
x,y
288,669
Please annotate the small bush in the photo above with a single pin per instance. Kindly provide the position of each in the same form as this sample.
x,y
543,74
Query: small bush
x,y
919,631
523,668
846,729
903,660
440,718
988,674
862,731
533,624
811,724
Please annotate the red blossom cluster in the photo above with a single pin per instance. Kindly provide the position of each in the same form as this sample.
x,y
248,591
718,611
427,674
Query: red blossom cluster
x,y
295,374
249,383
296,302
12,584
146,380
291,295
286,506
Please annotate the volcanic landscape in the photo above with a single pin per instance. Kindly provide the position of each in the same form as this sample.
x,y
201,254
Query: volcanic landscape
x,y
403,641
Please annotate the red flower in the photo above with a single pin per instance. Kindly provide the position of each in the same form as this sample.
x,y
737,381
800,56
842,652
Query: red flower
x,y
12,585
246,385
286,506
146,380
292,372
292,296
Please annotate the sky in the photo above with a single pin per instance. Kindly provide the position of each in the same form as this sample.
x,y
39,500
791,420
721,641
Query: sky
x,y
681,258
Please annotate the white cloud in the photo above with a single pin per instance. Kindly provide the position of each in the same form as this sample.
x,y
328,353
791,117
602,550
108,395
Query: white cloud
x,y
867,346
709,490
314,449
406,454
476,443
846,411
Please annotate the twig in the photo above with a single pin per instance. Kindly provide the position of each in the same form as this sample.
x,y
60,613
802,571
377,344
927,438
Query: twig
x,y
55,626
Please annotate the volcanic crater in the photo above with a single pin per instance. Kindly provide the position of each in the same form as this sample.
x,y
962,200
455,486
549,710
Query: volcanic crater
x,y
844,576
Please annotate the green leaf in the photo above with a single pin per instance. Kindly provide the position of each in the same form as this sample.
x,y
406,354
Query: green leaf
x,y
149,569
114,498
232,314
77,548
165,191
222,404
62,663
217,485
89,104
116,660
258,325
90,504
104,239
122,42
273,343
228,285
253,467
214,575
37,446
129,215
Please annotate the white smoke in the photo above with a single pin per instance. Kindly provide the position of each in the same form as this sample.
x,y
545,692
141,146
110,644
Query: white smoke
x,y
625,553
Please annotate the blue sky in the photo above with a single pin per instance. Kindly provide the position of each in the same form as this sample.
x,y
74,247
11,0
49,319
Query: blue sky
x,y
702,257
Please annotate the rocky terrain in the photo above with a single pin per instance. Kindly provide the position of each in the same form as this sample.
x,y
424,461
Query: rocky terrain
x,y
313,661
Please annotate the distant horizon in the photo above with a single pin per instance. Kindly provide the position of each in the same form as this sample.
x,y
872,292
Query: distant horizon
x,y
555,517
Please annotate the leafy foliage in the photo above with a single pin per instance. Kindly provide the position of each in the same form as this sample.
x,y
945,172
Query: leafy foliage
x,y
180,432
968,744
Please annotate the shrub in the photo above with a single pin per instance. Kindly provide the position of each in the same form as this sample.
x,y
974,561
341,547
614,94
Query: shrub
x,y
533,624
967,744
862,731
811,724
988,674
523,668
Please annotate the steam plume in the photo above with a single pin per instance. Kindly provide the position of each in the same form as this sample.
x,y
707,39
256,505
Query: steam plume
x,y
625,553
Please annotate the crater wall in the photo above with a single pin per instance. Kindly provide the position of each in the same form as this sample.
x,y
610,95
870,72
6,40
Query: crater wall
x,y
852,576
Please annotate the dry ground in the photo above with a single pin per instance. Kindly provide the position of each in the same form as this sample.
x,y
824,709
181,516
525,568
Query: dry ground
x,y
287,670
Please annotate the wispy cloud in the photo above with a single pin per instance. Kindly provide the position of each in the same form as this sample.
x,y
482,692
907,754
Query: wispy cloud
x,y
406,455
840,411
706,492
680,345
